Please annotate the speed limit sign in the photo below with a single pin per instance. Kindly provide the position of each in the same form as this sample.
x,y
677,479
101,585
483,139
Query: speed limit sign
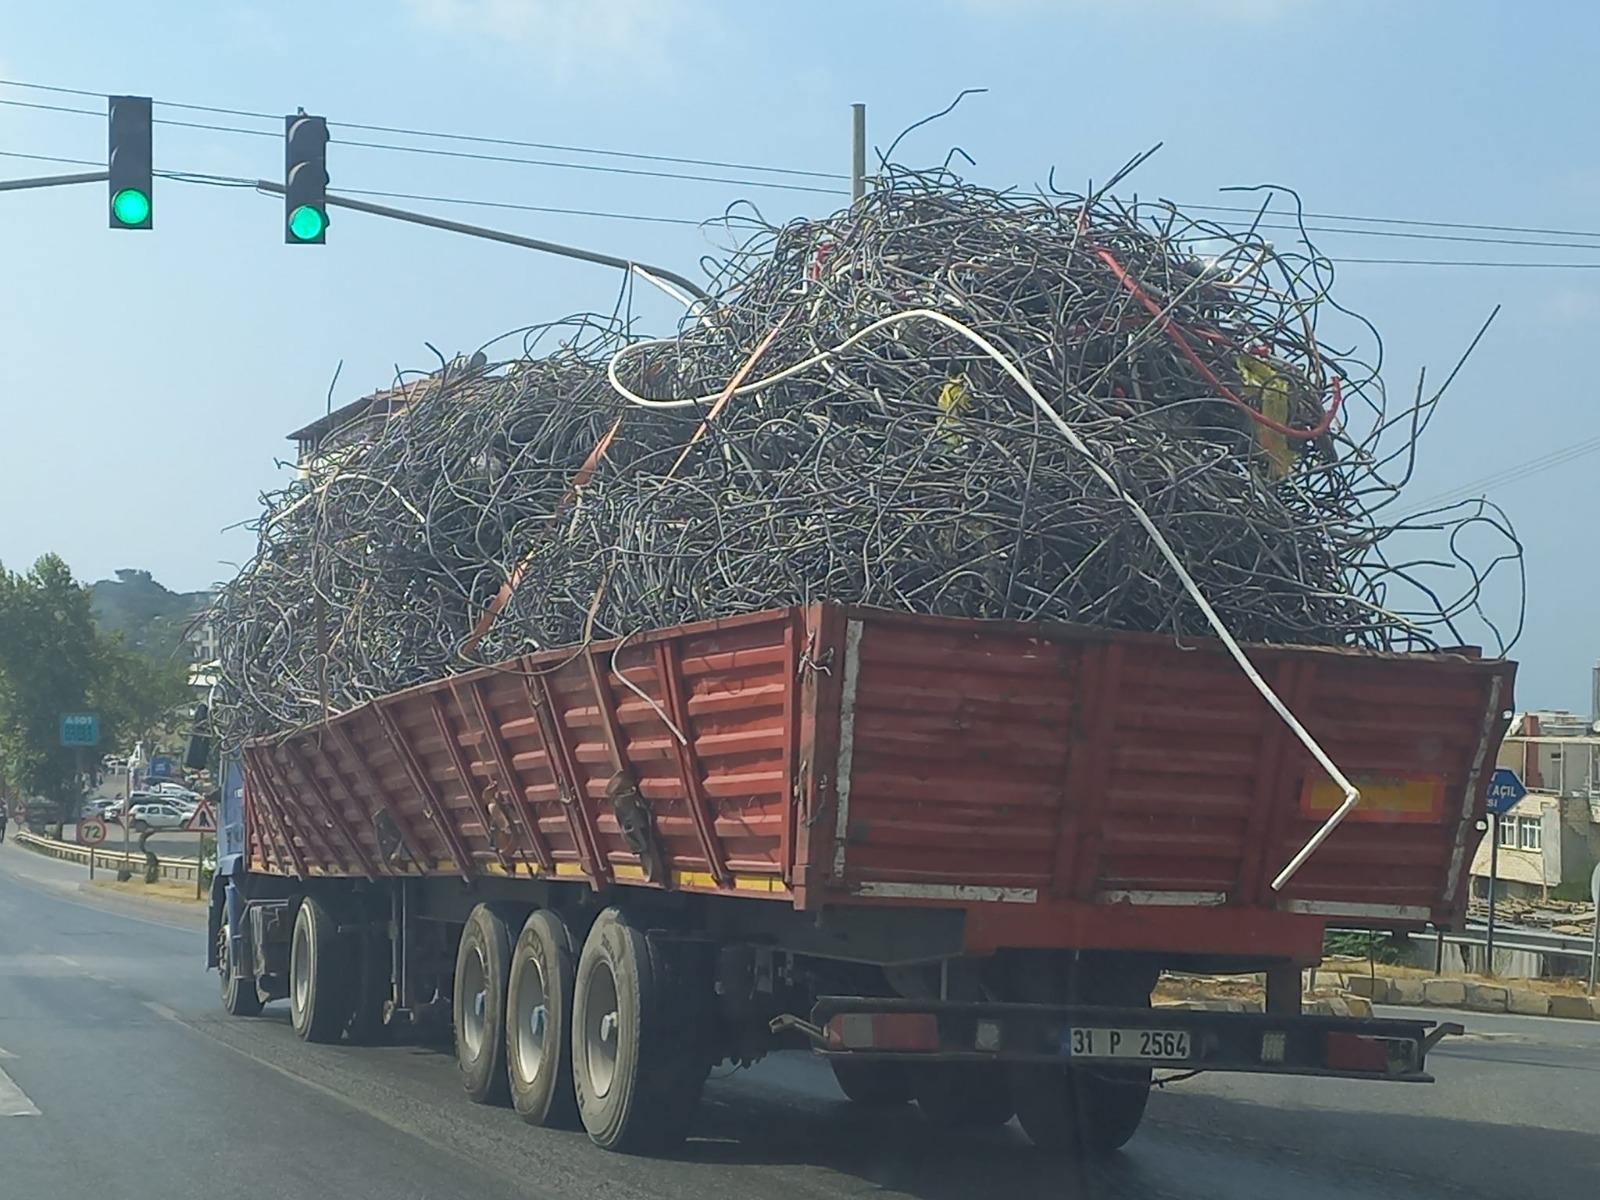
x,y
91,831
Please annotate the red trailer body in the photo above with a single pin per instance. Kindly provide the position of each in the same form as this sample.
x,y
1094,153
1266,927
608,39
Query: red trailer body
x,y
1062,787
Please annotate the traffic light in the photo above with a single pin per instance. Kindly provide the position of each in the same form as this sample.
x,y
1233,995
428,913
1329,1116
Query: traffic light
x,y
128,161
305,180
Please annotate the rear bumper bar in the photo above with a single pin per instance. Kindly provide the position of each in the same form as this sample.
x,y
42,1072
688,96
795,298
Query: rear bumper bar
x,y
863,1027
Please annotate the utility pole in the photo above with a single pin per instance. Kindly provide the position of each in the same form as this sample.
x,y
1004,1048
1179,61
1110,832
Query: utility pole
x,y
1494,883
858,152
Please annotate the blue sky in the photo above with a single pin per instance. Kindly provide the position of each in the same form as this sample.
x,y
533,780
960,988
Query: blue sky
x,y
147,380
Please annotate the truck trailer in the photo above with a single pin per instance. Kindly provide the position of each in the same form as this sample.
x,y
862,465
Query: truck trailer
x,y
950,856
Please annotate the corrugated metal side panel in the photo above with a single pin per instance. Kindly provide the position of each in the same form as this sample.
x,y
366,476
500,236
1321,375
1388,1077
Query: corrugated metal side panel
x,y
1388,718
960,745
994,762
507,770
1184,750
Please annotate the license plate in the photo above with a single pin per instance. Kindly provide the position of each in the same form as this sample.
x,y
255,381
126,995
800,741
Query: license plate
x,y
1126,1043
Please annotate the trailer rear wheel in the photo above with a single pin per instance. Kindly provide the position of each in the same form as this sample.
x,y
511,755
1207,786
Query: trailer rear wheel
x,y
875,1084
538,1023
319,976
1080,1112
963,1095
640,1054
483,965
239,996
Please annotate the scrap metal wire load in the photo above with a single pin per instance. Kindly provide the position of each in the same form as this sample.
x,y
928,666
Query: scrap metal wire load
x,y
844,421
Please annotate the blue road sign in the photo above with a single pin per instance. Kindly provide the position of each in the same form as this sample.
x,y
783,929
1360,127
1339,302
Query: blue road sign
x,y
1505,789
80,729
161,767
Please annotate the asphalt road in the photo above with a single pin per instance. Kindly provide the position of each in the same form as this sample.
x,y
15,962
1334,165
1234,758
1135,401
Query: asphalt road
x,y
110,1035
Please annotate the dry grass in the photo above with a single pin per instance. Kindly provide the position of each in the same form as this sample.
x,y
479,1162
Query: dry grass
x,y
161,890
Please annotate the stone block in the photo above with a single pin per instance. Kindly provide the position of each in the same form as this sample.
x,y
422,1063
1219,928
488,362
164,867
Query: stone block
x,y
1487,997
1574,1008
1527,1002
1444,993
1373,987
1405,991
1358,1006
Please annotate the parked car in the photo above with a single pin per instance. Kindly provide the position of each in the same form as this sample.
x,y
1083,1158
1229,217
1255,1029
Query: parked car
x,y
157,816
99,808
170,789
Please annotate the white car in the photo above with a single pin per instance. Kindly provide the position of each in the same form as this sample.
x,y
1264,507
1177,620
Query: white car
x,y
157,816
174,790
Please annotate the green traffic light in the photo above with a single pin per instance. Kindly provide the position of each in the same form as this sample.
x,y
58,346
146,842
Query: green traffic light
x,y
130,206
307,223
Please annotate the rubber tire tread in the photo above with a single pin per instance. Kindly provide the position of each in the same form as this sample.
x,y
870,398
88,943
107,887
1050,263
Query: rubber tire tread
x,y
1074,1113
663,1001
239,996
964,1095
328,994
485,1078
551,1101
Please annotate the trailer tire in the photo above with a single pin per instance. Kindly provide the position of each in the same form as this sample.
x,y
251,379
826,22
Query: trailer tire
x,y
1080,1112
874,1084
239,996
483,966
640,1044
964,1096
319,976
539,1023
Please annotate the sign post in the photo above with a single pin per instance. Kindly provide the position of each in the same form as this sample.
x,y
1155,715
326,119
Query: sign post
x,y
78,730
1594,937
91,832
203,821
1505,791
136,764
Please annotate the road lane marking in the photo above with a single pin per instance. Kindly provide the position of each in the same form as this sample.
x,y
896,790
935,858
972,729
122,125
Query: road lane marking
x,y
161,1010
13,1100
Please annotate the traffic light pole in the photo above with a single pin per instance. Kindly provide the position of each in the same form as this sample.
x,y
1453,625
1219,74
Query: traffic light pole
x,y
44,181
655,275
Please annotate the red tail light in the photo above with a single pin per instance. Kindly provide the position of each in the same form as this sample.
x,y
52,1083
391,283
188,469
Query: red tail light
x,y
1353,1052
883,1031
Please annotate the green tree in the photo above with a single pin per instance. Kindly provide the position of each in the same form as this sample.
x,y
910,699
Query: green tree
x,y
54,660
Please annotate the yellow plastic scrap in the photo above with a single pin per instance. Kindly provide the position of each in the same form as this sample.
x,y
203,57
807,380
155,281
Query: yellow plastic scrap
x,y
1268,388
954,403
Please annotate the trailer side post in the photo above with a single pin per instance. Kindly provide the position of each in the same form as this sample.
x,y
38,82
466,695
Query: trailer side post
x,y
1283,989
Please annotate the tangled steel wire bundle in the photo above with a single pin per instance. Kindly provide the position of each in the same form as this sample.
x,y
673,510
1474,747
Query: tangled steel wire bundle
x,y
848,419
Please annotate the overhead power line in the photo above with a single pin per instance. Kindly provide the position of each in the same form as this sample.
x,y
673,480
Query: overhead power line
x,y
1509,475
680,160
657,219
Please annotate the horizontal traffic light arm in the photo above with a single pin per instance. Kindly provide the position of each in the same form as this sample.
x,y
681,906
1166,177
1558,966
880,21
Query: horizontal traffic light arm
x,y
44,181
644,270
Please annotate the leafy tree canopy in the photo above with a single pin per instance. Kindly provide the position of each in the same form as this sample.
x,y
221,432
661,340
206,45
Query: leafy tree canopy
x,y
54,659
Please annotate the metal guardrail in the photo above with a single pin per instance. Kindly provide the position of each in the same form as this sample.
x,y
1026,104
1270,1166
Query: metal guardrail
x,y
110,860
1514,937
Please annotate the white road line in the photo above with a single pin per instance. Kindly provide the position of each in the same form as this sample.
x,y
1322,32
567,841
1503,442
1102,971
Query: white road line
x,y
5,1054
13,1101
161,1010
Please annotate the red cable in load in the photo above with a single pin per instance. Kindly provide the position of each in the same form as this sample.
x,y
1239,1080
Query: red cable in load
x,y
1172,330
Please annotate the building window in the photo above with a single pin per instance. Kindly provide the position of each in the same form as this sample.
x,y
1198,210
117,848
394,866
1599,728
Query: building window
x,y
1530,833
1508,833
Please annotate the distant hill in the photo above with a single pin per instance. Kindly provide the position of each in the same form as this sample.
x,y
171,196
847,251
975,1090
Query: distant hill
x,y
150,618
